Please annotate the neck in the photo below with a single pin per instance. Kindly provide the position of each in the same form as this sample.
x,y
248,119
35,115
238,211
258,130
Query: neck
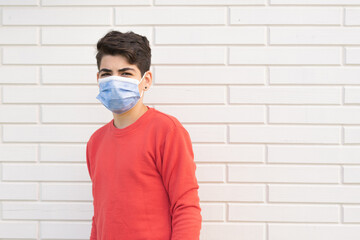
x,y
127,118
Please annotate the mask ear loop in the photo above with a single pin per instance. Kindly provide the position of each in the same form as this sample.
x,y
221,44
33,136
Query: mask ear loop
x,y
140,82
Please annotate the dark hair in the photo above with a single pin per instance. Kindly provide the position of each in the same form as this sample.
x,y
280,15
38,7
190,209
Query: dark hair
x,y
134,47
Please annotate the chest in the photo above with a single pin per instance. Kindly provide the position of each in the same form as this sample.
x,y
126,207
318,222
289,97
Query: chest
x,y
125,160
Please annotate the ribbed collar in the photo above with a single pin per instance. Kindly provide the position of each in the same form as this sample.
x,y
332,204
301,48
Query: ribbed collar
x,y
122,131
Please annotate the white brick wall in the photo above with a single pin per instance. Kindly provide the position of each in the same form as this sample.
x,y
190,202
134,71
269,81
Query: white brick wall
x,y
269,91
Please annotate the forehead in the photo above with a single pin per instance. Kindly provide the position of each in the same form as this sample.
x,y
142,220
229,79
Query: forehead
x,y
116,62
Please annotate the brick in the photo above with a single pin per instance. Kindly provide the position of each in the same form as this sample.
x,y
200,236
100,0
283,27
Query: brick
x,y
352,17
188,55
285,134
232,192
210,173
285,95
351,214
48,133
48,55
227,231
210,2
45,172
210,35
18,229
185,94
313,154
66,192
18,2
314,75
206,133
314,2
289,213
83,35
63,153
314,194
68,75
229,153
216,114
205,75
75,114
18,152
313,231
314,35
170,15
57,16
285,55
50,94
352,95
46,211
314,114
18,113
352,55
283,174
212,211
21,35
64,230
94,2
352,174
18,74
1,95
18,191
285,15
352,135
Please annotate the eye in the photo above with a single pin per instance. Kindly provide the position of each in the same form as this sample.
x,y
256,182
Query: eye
x,y
105,74
126,73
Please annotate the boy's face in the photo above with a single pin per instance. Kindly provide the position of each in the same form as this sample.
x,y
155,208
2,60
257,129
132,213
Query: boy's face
x,y
118,66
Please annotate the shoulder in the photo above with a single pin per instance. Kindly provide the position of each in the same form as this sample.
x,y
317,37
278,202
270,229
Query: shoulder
x,y
166,121
167,126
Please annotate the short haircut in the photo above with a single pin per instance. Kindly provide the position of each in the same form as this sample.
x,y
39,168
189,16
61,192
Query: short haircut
x,y
134,47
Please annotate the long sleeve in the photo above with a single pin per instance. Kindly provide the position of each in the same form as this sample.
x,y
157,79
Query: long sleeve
x,y
93,226
177,169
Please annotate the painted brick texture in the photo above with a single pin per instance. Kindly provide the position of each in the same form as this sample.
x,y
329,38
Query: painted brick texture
x,y
269,91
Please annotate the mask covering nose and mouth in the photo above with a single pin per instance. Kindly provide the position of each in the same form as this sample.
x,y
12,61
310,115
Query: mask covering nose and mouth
x,y
119,94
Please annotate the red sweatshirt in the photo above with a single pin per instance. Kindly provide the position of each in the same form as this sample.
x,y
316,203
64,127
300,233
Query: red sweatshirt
x,y
143,181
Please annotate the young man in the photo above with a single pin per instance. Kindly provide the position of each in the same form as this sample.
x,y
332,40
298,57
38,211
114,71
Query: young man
x,y
141,163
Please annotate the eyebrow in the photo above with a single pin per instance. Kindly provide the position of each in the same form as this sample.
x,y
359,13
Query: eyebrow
x,y
120,70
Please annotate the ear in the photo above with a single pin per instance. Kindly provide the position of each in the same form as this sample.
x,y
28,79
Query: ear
x,y
97,77
148,79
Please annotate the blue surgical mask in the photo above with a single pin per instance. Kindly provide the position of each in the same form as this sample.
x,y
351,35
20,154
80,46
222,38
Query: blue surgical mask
x,y
119,94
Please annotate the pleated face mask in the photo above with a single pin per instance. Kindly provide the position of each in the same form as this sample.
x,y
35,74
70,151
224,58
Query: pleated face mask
x,y
119,94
